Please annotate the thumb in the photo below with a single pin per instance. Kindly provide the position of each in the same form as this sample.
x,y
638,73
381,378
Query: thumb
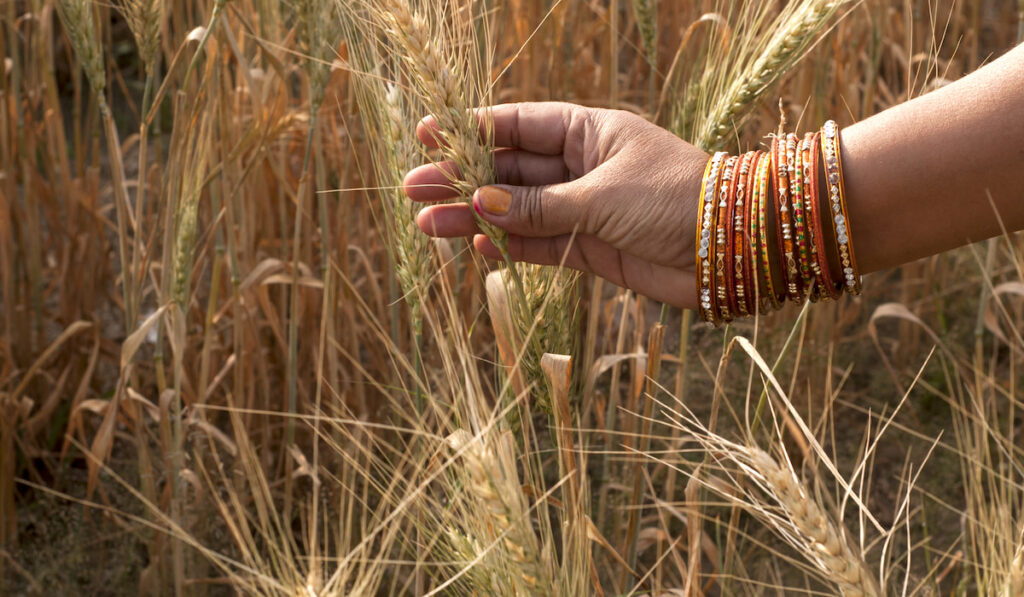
x,y
538,211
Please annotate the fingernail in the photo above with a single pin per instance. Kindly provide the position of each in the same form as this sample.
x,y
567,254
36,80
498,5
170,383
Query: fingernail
x,y
494,200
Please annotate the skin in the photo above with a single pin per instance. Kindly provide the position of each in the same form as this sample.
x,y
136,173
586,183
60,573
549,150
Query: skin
x,y
609,193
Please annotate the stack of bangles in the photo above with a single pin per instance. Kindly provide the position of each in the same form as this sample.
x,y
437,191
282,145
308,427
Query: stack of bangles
x,y
767,224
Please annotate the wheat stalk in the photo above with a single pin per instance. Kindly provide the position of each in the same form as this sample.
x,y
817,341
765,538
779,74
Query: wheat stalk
x,y
387,110
318,26
546,318
489,474
412,248
726,95
646,12
435,69
76,17
1015,578
441,68
144,18
824,541
785,504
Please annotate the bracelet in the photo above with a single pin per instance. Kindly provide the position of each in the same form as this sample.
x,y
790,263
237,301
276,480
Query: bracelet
x,y
721,240
785,229
736,252
736,271
749,248
775,295
705,248
827,289
837,201
795,158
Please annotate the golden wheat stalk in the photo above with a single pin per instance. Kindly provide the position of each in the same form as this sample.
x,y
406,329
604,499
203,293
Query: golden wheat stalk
x,y
489,475
387,111
440,62
435,69
76,17
825,543
794,32
1014,584
646,13
318,27
413,250
144,18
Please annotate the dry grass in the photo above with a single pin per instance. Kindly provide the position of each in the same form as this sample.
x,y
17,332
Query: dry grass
x,y
225,345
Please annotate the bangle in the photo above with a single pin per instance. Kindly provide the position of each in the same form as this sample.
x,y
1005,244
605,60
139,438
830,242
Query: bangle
x,y
705,248
749,252
768,297
837,200
737,260
794,156
721,239
738,297
785,228
826,289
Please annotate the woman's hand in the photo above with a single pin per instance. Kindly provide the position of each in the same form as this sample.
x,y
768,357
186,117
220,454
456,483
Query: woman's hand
x,y
601,191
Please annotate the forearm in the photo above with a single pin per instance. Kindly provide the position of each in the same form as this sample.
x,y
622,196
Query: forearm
x,y
919,176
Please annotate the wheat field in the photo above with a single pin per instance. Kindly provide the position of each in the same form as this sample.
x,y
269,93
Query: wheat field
x,y
230,363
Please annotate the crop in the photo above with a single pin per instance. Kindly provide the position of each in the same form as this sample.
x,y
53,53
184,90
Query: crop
x,y
230,362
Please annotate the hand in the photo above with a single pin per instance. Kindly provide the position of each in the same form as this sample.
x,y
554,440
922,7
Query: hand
x,y
601,191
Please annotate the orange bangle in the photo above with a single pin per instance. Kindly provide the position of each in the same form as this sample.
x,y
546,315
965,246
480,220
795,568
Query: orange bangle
x,y
735,254
837,200
785,228
824,289
722,240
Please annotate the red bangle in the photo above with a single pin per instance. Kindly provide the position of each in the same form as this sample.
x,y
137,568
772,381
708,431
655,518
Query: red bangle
x,y
826,288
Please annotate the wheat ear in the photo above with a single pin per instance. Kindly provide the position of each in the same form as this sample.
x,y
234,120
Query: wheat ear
x,y
825,542
144,18
646,13
318,25
76,17
490,477
785,47
435,77
1015,579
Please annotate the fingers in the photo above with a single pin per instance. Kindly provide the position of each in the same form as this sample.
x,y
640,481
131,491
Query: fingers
x,y
432,182
448,221
537,211
540,127
589,254
550,210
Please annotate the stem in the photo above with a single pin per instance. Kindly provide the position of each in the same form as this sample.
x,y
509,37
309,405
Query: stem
x,y
141,187
177,460
293,301
120,205
217,9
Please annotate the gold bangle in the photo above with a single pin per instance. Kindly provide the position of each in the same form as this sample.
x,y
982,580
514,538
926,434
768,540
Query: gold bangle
x,y
837,201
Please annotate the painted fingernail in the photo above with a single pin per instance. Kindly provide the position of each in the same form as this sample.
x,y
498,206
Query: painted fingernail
x,y
494,200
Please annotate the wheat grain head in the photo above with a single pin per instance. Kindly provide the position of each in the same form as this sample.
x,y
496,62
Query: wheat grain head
x,y
825,543
77,19
144,18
